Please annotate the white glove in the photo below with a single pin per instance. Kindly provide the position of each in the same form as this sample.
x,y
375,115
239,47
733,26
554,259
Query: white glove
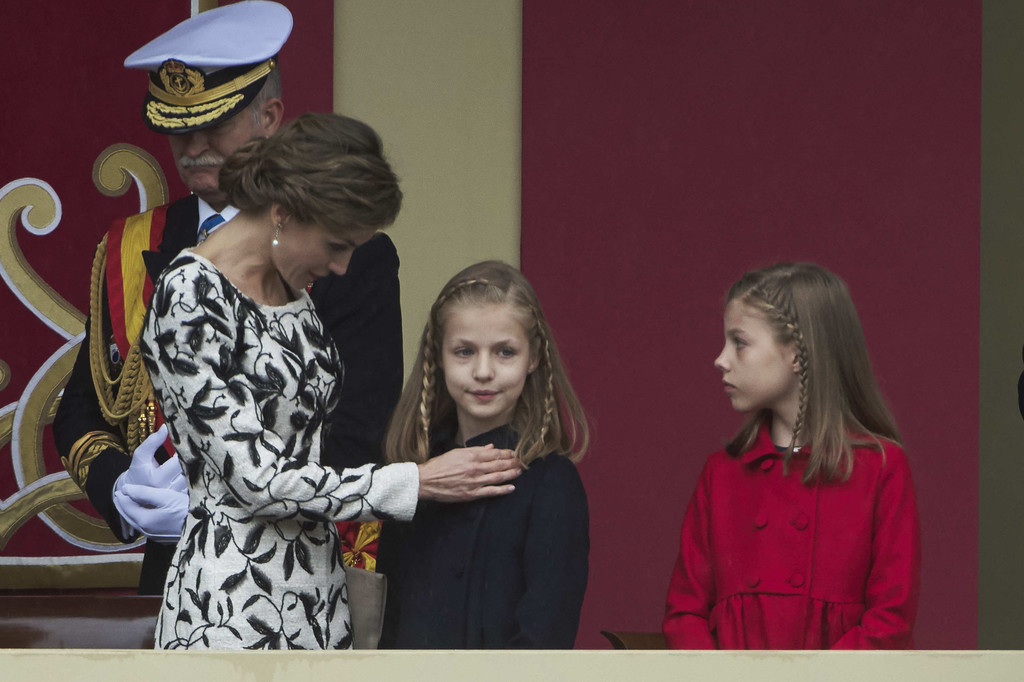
x,y
151,497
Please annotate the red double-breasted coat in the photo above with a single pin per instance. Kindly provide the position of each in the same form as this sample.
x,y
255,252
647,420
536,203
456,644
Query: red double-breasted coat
x,y
769,562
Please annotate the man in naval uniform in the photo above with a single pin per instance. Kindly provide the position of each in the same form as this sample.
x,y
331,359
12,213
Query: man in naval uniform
x,y
213,85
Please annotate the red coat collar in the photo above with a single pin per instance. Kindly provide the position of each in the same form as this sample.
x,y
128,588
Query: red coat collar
x,y
764,447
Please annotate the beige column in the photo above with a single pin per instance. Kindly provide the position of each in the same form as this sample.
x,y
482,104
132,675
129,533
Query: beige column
x,y
440,81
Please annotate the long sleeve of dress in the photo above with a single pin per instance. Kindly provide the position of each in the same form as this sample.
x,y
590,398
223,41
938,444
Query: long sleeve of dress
x,y
245,390
691,591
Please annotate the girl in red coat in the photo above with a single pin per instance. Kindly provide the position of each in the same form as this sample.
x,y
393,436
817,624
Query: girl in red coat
x,y
803,532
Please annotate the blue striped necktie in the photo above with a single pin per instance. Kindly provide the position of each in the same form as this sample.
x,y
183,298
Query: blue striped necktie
x,y
208,226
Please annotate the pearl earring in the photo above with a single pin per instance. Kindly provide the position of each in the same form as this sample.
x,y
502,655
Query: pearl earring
x,y
277,234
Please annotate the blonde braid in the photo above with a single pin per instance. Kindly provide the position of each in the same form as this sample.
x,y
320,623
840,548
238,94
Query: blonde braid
x,y
801,353
786,319
549,392
427,392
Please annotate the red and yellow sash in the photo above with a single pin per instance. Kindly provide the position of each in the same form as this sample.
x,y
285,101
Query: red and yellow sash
x,y
129,286
126,402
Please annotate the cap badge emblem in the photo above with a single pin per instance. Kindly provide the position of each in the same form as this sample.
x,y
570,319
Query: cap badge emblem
x,y
180,79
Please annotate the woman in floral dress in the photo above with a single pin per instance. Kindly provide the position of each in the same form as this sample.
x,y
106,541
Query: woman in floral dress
x,y
245,376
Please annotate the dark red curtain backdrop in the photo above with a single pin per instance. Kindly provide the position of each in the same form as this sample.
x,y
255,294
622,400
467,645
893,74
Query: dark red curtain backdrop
x,y
670,145
68,97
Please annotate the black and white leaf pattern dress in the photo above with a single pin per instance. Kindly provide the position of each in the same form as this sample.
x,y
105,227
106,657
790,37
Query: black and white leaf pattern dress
x,y
245,389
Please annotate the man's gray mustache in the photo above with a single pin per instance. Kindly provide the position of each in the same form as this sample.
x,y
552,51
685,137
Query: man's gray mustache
x,y
207,159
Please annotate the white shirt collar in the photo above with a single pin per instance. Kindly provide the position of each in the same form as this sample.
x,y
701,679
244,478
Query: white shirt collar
x,y
205,211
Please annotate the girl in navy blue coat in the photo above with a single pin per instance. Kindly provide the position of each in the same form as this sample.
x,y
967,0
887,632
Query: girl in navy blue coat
x,y
502,572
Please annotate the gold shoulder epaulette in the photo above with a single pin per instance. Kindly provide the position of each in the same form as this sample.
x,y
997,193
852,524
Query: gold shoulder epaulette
x,y
126,400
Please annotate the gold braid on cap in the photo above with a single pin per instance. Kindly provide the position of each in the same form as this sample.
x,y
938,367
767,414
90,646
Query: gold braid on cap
x,y
169,117
203,96
127,400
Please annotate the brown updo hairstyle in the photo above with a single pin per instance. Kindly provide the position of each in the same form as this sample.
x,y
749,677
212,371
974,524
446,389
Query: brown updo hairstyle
x,y
325,169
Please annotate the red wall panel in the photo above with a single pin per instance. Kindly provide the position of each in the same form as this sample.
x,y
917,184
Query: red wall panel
x,y
668,147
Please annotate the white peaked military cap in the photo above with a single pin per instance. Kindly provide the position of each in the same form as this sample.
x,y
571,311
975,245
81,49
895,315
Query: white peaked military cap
x,y
211,66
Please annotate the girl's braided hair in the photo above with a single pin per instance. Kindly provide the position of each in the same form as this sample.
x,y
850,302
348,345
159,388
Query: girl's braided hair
x,y
548,416
840,402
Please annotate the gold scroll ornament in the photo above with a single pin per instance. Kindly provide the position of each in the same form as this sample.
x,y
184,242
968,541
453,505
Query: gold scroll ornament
x,y
39,209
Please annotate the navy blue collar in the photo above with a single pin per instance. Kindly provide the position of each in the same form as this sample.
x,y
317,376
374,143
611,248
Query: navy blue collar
x,y
504,437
